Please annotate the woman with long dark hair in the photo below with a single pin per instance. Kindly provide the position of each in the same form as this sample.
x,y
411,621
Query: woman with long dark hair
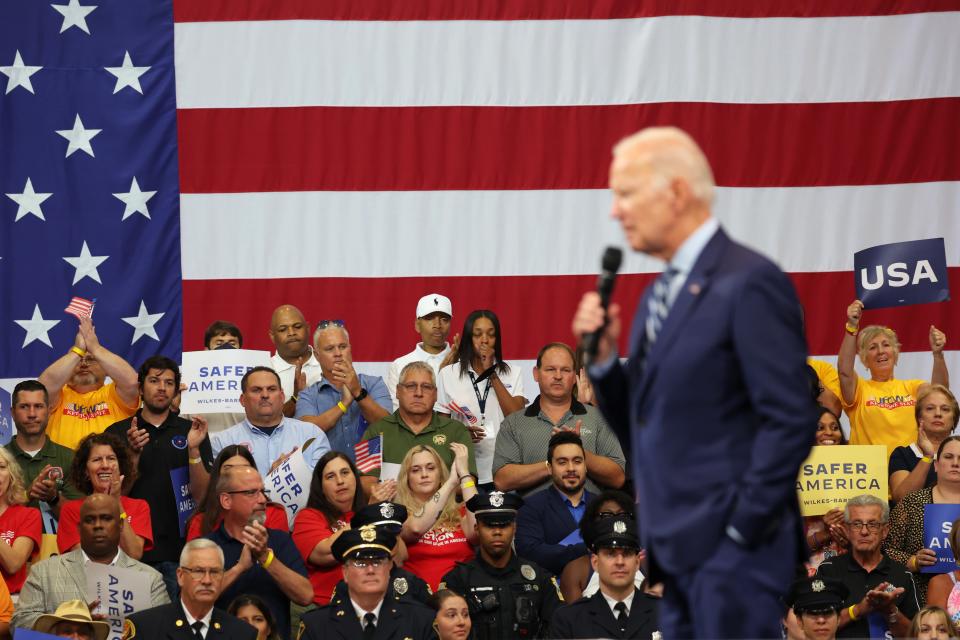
x,y
255,612
464,387
335,495
207,516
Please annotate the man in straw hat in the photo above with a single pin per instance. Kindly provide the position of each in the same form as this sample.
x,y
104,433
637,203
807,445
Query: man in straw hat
x,y
72,619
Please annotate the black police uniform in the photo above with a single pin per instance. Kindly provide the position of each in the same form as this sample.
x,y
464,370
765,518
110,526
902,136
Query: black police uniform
x,y
169,622
516,601
592,618
398,620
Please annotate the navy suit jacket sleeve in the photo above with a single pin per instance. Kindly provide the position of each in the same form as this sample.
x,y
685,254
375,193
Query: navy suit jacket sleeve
x,y
540,520
770,348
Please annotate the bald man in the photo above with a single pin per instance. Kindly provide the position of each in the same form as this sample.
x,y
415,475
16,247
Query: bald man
x,y
294,361
713,400
55,580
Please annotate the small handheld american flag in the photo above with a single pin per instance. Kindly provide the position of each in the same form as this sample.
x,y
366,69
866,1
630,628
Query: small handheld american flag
x,y
81,307
369,454
463,411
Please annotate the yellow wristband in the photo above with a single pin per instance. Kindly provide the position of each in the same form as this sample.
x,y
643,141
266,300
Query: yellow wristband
x,y
850,613
342,406
266,563
194,460
80,352
123,516
927,459
852,330
468,485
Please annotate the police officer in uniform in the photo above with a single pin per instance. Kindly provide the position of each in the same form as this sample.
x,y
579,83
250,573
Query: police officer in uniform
x,y
508,597
618,609
403,584
817,602
365,612
193,617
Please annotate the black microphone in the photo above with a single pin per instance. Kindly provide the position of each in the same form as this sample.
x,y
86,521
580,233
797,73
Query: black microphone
x,y
612,257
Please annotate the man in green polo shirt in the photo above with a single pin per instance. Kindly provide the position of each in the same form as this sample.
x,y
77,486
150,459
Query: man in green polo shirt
x,y
415,423
45,464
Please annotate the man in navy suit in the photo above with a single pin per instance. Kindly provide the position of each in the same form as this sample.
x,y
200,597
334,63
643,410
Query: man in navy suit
x,y
713,398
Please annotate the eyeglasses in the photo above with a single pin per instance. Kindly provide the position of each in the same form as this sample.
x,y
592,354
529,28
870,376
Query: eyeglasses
x,y
873,525
323,324
426,387
250,493
198,573
359,563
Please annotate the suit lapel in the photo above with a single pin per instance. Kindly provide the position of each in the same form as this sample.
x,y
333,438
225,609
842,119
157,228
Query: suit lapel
x,y
602,615
640,613
683,307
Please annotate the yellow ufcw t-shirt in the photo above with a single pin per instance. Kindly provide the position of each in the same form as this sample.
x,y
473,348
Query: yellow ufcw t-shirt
x,y
828,375
883,413
77,415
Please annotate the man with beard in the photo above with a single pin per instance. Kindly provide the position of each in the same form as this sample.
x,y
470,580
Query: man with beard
x,y
547,527
80,403
200,576
41,459
172,457
294,360
508,596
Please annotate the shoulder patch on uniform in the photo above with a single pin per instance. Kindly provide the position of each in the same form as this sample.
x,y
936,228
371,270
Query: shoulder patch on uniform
x,y
129,629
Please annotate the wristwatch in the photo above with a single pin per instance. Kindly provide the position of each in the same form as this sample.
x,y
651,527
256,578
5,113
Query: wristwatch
x,y
363,394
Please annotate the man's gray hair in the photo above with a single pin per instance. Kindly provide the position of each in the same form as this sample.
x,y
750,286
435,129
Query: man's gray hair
x,y
674,154
866,500
417,365
199,544
319,330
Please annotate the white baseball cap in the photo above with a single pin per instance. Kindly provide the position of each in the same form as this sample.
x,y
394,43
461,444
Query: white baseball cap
x,y
432,303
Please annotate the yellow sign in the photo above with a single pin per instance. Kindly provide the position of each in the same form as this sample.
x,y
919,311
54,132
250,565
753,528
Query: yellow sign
x,y
834,474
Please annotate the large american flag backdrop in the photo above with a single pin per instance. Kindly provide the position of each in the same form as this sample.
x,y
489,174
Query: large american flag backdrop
x,y
212,159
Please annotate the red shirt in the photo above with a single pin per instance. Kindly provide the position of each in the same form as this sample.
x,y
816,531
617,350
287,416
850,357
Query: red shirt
x,y
436,552
276,519
16,522
138,517
309,528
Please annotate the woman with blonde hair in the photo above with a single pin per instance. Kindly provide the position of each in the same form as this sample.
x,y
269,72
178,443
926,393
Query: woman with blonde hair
x,y
881,409
20,527
438,533
932,623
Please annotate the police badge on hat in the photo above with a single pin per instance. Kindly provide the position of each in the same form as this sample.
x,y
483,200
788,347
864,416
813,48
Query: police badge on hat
x,y
386,510
818,586
620,526
439,439
496,500
400,586
368,534
527,572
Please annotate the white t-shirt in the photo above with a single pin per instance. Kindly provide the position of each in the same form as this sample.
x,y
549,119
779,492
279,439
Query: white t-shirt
x,y
417,355
459,390
286,371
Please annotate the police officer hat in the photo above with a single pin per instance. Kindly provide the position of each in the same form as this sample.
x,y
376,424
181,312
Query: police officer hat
x,y
495,508
817,594
364,542
618,532
383,514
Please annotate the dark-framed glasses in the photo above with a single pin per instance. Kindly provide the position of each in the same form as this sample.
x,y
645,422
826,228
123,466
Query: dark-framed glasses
x,y
873,525
198,573
250,493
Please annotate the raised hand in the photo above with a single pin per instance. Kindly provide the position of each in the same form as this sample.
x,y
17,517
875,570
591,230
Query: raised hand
x,y
584,388
384,491
43,487
454,354
854,313
937,340
198,431
461,459
89,334
137,438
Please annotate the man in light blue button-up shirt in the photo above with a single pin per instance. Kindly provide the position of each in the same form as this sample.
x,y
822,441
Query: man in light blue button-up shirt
x,y
266,432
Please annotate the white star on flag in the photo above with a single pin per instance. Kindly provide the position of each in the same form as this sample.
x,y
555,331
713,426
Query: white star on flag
x,y
79,137
29,201
136,200
74,15
85,264
143,323
18,74
37,328
128,75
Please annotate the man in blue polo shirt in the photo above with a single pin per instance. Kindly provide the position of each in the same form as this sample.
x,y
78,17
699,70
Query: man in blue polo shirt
x,y
343,403
257,560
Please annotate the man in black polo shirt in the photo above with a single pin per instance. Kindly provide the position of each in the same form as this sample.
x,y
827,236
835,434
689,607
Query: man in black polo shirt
x,y
882,594
172,456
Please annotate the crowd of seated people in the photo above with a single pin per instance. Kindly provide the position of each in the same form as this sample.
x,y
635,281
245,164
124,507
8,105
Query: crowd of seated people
x,y
488,515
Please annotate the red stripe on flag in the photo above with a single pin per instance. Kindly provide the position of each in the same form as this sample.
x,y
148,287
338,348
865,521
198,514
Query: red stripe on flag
x,y
533,310
229,10
406,148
